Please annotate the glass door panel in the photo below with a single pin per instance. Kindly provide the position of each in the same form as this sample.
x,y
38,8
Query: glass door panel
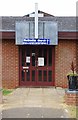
x,y
44,75
40,75
49,76
28,75
33,55
45,56
23,57
28,57
33,75
23,75
50,57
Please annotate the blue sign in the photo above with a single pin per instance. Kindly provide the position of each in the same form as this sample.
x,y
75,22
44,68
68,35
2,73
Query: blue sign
x,y
42,41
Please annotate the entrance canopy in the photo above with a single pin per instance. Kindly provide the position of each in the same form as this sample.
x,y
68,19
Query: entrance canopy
x,y
47,33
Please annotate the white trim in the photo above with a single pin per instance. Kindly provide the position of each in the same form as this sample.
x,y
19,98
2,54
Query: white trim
x,y
7,30
43,21
39,15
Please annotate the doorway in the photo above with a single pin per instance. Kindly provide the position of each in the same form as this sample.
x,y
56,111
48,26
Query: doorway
x,y
37,66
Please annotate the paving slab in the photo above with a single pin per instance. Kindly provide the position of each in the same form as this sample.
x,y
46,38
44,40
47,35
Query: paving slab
x,y
34,96
47,101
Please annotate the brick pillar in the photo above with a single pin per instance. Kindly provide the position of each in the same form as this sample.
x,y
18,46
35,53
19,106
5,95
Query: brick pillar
x,y
10,64
77,44
0,61
0,70
65,53
77,55
71,97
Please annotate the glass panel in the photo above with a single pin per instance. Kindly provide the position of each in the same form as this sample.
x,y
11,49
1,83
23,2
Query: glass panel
x,y
28,75
45,57
33,57
23,57
23,73
28,64
50,57
33,75
39,75
45,75
28,57
40,53
50,76
27,52
33,60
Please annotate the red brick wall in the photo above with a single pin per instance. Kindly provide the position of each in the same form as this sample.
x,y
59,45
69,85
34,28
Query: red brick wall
x,y
77,55
0,71
0,63
10,64
65,53
71,98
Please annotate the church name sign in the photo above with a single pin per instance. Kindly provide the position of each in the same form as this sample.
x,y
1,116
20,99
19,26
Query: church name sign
x,y
36,41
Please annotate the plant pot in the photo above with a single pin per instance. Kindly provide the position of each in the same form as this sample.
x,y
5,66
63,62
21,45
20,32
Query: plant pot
x,y
72,82
76,82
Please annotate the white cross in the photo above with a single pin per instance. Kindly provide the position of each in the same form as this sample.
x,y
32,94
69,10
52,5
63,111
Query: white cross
x,y
36,15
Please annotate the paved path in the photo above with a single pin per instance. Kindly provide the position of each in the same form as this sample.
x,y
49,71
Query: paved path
x,y
34,103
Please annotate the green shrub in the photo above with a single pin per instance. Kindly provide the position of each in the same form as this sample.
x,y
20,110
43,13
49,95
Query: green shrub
x,y
6,91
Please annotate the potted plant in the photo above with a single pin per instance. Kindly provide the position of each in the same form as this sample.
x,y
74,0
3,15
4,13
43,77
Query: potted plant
x,y
73,78
77,82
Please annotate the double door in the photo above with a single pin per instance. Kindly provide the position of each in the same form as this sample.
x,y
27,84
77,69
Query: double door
x,y
36,66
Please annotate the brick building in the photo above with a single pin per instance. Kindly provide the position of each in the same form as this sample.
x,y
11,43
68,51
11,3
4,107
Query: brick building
x,y
38,64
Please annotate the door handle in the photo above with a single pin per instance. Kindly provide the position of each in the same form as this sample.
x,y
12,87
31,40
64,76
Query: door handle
x,y
24,70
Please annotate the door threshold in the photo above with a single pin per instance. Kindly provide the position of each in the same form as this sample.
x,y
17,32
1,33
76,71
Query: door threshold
x,y
37,87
